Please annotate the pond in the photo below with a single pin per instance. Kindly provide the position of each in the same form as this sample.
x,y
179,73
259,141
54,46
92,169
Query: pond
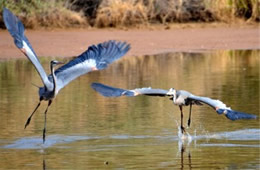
x,y
88,131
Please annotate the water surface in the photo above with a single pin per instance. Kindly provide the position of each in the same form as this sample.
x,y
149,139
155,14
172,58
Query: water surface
x,y
86,130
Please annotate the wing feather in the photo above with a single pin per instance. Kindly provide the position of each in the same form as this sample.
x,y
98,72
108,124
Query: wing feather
x,y
109,91
16,29
211,102
221,108
97,57
151,92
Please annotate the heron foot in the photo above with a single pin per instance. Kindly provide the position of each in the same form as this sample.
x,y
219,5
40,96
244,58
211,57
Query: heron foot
x,y
189,123
27,122
183,130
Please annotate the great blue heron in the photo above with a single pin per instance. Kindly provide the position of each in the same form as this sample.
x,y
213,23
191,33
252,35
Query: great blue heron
x,y
179,97
96,57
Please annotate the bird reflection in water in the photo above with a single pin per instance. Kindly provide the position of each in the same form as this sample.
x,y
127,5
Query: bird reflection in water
x,y
184,143
183,148
43,164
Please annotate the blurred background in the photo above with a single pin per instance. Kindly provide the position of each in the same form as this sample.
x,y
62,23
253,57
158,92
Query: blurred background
x,y
129,13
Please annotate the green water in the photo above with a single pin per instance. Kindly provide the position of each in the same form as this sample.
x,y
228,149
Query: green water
x,y
88,131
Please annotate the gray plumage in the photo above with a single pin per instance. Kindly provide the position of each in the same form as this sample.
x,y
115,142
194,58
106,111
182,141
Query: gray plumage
x,y
179,97
96,57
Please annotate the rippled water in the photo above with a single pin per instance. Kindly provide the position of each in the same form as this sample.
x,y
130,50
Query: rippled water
x,y
86,130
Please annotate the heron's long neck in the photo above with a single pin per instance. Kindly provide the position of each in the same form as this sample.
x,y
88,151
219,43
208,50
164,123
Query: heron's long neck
x,y
54,78
174,97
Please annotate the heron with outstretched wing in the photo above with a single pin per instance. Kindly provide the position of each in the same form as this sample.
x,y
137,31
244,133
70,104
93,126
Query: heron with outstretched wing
x,y
180,98
96,57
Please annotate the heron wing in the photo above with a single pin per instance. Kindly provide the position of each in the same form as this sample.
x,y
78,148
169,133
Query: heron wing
x,y
221,108
96,57
109,91
150,92
16,29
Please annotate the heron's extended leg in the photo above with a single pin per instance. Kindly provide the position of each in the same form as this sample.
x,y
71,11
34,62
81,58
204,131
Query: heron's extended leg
x,y
189,120
182,128
45,119
29,118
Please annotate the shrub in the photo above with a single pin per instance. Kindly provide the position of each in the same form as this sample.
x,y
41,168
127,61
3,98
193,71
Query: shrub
x,y
37,13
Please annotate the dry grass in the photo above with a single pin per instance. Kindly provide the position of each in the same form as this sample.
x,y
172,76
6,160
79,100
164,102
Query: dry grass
x,y
113,13
55,18
233,10
129,13
37,13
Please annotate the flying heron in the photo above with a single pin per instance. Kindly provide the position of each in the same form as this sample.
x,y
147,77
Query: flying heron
x,y
179,97
96,57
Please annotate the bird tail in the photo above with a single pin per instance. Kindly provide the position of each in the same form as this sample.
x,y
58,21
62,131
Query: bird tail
x,y
235,115
109,91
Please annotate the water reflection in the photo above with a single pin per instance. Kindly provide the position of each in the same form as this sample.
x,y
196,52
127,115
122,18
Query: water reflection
x,y
86,129
43,164
183,150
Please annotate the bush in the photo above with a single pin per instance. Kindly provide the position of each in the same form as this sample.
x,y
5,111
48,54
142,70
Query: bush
x,y
230,10
125,13
36,13
87,7
113,13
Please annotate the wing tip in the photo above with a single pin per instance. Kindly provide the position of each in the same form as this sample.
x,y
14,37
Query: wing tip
x,y
109,91
15,27
110,51
235,115
6,11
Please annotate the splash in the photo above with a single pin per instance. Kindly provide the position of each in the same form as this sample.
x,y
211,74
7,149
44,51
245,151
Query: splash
x,y
238,135
241,135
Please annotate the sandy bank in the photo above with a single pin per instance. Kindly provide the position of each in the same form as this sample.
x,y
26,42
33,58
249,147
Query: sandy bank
x,y
66,43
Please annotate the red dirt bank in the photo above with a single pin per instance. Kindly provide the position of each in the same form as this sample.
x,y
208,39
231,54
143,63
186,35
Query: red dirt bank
x,y
73,42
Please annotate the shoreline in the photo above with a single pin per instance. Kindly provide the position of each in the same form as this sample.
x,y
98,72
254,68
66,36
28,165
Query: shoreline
x,y
68,43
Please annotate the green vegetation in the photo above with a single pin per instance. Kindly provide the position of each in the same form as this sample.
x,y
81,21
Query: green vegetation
x,y
125,13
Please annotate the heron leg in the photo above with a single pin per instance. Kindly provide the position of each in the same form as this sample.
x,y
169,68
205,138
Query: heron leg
x,y
29,118
182,128
189,120
45,119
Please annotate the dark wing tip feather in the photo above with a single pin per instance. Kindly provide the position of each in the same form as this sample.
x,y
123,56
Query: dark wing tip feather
x,y
16,29
235,115
14,26
111,51
109,91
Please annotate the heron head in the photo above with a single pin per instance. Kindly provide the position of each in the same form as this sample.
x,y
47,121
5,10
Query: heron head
x,y
171,92
55,63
